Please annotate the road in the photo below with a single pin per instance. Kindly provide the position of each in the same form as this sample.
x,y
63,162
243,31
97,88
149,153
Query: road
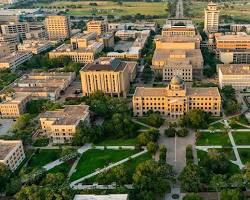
x,y
179,10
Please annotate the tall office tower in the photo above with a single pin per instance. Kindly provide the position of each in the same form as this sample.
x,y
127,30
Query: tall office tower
x,y
58,27
211,23
99,27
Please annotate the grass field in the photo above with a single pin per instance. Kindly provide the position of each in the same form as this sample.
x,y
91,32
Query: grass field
x,y
217,138
44,157
244,155
241,138
109,7
217,125
96,159
118,142
130,166
62,168
233,169
239,11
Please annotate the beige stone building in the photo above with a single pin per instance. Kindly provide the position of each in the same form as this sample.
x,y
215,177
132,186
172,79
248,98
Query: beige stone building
x,y
16,27
13,105
14,60
5,49
109,75
211,20
61,125
236,75
233,48
83,48
35,46
11,39
11,153
176,99
58,27
171,61
98,27
178,28
46,85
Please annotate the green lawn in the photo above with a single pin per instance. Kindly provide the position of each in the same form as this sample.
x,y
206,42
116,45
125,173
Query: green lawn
x,y
244,155
96,159
217,138
130,166
44,157
237,126
242,138
63,168
110,7
217,125
233,169
118,142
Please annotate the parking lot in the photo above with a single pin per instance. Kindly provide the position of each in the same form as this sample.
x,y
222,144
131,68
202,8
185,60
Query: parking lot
x,y
5,126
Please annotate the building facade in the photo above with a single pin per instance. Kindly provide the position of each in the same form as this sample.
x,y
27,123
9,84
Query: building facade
x,y
11,153
211,20
58,27
236,75
12,106
19,27
35,46
61,125
176,99
109,75
98,27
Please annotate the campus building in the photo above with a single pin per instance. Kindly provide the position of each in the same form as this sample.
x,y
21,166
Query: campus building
x,y
236,75
45,85
211,20
5,49
98,27
16,27
13,105
61,125
11,39
82,49
186,63
176,99
58,27
11,153
109,75
14,60
233,48
35,46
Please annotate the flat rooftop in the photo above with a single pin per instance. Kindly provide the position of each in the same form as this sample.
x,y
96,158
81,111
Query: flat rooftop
x,y
17,98
114,65
177,39
69,115
102,197
234,69
233,37
13,56
6,146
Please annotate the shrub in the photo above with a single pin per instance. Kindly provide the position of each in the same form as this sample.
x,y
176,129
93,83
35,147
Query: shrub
x,y
170,132
182,132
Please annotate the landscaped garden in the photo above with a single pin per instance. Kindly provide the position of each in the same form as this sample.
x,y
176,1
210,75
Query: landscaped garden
x,y
212,138
128,168
241,138
43,157
95,159
118,142
244,155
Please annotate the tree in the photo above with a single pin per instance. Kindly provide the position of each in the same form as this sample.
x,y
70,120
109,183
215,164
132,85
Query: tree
x,y
231,107
14,186
236,181
170,132
192,196
162,155
29,192
55,179
191,178
195,119
232,194
218,182
151,178
154,119
228,92
143,138
4,177
21,122
182,132
147,73
87,134
152,147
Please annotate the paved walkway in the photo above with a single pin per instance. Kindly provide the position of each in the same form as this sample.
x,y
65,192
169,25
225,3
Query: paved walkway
x,y
74,183
142,124
100,187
